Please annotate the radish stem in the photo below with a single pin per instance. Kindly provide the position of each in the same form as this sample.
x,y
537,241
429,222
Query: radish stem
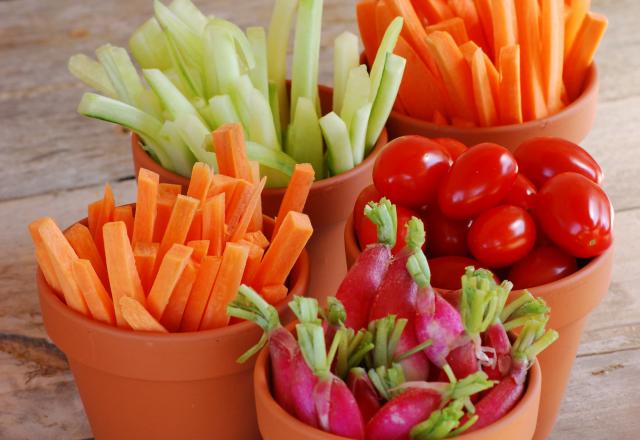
x,y
384,215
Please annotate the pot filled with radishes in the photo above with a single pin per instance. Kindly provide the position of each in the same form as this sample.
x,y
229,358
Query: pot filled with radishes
x,y
537,217
392,358
200,73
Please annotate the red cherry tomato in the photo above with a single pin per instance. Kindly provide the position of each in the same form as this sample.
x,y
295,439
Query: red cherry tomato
x,y
576,214
368,233
501,236
522,193
544,157
454,147
446,236
369,194
543,265
447,271
478,180
409,170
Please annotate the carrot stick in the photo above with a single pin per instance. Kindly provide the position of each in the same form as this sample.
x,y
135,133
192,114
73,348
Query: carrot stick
x,y
510,93
253,261
384,17
505,25
455,26
485,105
138,317
257,238
462,123
146,206
285,249
125,214
195,230
256,221
93,217
296,194
82,243
171,269
61,256
200,293
49,272
484,13
366,14
434,11
468,50
225,287
167,194
213,225
552,33
582,52
238,204
145,256
466,9
93,291
275,293
106,214
172,316
237,231
223,184
200,249
201,176
231,153
439,118
575,15
121,267
179,223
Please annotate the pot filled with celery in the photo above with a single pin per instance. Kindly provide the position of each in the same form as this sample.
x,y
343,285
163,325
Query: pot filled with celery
x,y
202,72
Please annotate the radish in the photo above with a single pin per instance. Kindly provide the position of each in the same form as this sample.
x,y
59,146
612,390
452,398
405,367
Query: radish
x,y
364,393
333,318
359,287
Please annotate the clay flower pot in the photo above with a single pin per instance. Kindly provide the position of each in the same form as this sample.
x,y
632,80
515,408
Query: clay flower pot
x,y
275,423
573,123
571,300
137,385
329,204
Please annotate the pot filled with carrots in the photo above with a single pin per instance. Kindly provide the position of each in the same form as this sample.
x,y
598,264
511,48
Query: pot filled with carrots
x,y
136,297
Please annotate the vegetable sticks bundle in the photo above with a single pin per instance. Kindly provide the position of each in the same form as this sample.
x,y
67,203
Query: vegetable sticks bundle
x,y
487,62
175,261
201,72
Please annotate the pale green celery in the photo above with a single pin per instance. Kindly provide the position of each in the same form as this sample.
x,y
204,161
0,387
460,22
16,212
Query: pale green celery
x,y
180,154
304,141
91,72
121,73
223,111
358,132
261,128
224,57
149,46
209,72
356,94
150,103
172,100
387,45
275,111
277,43
117,112
205,111
197,137
242,44
189,14
187,41
176,80
345,58
241,98
274,164
258,40
386,96
306,52
189,76
336,136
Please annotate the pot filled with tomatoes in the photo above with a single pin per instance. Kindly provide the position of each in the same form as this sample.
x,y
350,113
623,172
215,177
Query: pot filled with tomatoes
x,y
536,216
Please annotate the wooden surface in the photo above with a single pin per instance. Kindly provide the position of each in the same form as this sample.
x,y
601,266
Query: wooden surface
x,y
54,162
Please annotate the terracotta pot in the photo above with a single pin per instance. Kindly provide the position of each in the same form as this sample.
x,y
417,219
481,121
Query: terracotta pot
x,y
135,385
329,204
571,300
573,123
275,423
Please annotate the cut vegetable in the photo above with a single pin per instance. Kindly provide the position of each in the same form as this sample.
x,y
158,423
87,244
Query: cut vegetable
x,y
366,15
296,194
121,73
124,214
146,206
137,317
253,261
238,229
82,243
200,249
213,215
179,223
274,294
485,105
510,91
167,195
259,77
336,135
454,26
505,25
576,12
201,177
552,36
345,58
105,215
145,255
171,268
172,316
97,298
91,72
304,143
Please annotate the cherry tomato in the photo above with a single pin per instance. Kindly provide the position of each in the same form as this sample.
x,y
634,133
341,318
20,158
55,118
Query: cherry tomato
x,y
447,271
543,265
576,214
544,157
446,236
369,194
522,193
409,169
478,180
453,146
501,236
368,233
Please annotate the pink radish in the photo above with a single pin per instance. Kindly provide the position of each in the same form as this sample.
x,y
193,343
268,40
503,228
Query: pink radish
x,y
364,393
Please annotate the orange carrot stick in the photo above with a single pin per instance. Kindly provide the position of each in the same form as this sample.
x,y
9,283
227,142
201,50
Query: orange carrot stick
x,y
145,256
285,248
43,258
552,35
93,291
106,214
213,226
384,17
485,105
296,194
505,25
201,176
439,118
510,91
582,53
434,11
237,231
366,15
257,238
137,317
253,261
222,184
225,287
238,204
484,14
82,243
171,269
256,221
576,12
195,230
200,249
200,293
172,316
455,26
146,206
125,214
468,50
93,217
274,293
179,223
231,153
121,267
466,9
167,194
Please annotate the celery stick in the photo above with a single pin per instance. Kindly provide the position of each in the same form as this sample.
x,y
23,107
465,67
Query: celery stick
x,y
306,52
202,106
209,72
189,77
224,56
180,154
274,164
187,41
358,132
345,58
223,111
261,128
150,103
275,110
241,98
258,40
340,156
121,72
197,137
172,100
91,72
176,80
149,46
387,45
386,96
304,142
189,14
240,40
356,94
277,43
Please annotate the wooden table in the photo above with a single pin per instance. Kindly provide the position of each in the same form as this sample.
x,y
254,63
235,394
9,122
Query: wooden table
x,y
54,162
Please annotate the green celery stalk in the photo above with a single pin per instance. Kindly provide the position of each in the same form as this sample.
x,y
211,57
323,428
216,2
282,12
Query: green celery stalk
x,y
358,132
336,135
149,46
202,106
176,80
189,76
241,98
186,40
386,96
388,43
223,111
240,40
172,100
180,154
190,15
304,142
224,57
306,52
261,128
275,110
121,72
274,164
91,72
356,94
197,137
345,58
258,40
150,103
277,43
